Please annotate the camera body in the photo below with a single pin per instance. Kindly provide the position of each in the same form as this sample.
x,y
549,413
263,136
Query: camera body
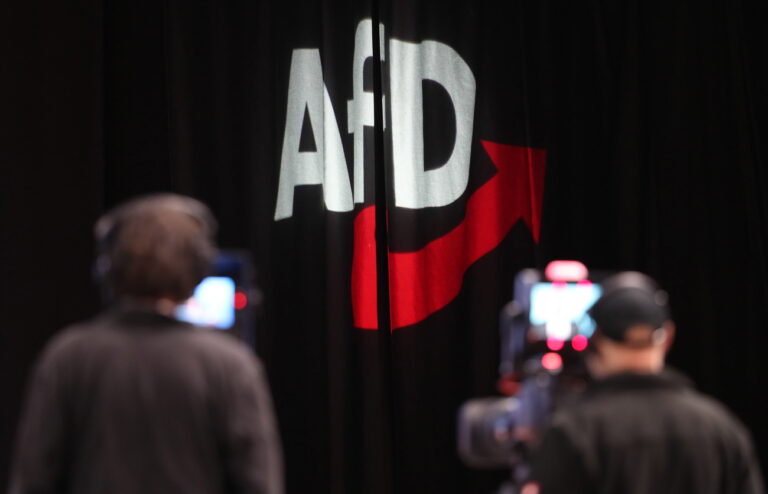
x,y
227,299
545,331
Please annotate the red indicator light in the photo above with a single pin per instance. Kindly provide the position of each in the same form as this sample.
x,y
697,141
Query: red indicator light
x,y
559,284
566,271
584,283
555,344
579,342
551,361
241,300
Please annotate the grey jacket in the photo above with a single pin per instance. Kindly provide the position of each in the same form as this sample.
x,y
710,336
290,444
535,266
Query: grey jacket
x,y
135,402
645,433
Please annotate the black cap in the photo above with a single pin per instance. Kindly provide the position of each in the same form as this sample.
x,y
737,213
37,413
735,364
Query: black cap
x,y
629,299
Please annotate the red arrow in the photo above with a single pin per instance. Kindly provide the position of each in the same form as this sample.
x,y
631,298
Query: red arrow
x,y
424,281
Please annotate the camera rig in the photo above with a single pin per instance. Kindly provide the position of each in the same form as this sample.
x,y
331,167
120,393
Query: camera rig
x,y
545,331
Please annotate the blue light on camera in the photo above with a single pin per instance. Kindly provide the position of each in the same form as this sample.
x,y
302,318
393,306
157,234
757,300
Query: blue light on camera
x,y
560,308
212,304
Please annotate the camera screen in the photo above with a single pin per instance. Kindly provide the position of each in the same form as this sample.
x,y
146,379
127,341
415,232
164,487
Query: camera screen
x,y
559,310
212,304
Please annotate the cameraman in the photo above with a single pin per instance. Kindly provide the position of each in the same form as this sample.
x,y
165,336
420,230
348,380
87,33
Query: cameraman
x,y
640,428
134,401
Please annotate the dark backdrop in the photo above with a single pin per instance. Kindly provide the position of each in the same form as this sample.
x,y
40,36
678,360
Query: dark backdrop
x,y
653,115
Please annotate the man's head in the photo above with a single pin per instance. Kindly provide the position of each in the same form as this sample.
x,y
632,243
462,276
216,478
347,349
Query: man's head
x,y
634,328
157,247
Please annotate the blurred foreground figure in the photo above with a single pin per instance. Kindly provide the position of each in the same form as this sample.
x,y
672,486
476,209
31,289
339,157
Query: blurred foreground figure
x,y
640,428
134,401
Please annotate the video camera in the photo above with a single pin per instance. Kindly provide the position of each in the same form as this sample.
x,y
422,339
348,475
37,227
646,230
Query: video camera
x,y
545,331
227,299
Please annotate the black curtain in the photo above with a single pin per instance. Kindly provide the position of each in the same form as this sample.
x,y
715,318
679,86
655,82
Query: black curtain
x,y
652,116
51,181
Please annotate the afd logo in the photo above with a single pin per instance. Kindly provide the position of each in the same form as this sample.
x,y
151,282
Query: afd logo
x,y
409,64
423,281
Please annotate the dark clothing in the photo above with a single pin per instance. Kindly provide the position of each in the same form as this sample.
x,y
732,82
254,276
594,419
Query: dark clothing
x,y
135,402
646,434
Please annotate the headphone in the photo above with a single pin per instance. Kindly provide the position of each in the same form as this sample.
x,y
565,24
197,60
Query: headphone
x,y
107,227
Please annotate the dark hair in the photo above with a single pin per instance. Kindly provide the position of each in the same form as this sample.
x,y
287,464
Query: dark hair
x,y
155,246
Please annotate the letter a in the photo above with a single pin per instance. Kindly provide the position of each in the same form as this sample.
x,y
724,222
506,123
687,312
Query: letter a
x,y
327,166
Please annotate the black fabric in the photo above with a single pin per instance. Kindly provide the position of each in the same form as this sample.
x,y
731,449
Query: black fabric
x,y
640,433
653,115
133,401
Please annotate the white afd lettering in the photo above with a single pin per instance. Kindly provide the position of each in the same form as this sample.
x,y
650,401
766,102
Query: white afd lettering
x,y
410,63
360,108
327,166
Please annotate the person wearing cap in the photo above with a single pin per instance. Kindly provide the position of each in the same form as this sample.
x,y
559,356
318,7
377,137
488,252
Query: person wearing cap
x,y
135,401
640,427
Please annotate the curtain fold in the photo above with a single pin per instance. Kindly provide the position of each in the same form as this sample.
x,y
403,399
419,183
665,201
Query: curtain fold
x,y
391,165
